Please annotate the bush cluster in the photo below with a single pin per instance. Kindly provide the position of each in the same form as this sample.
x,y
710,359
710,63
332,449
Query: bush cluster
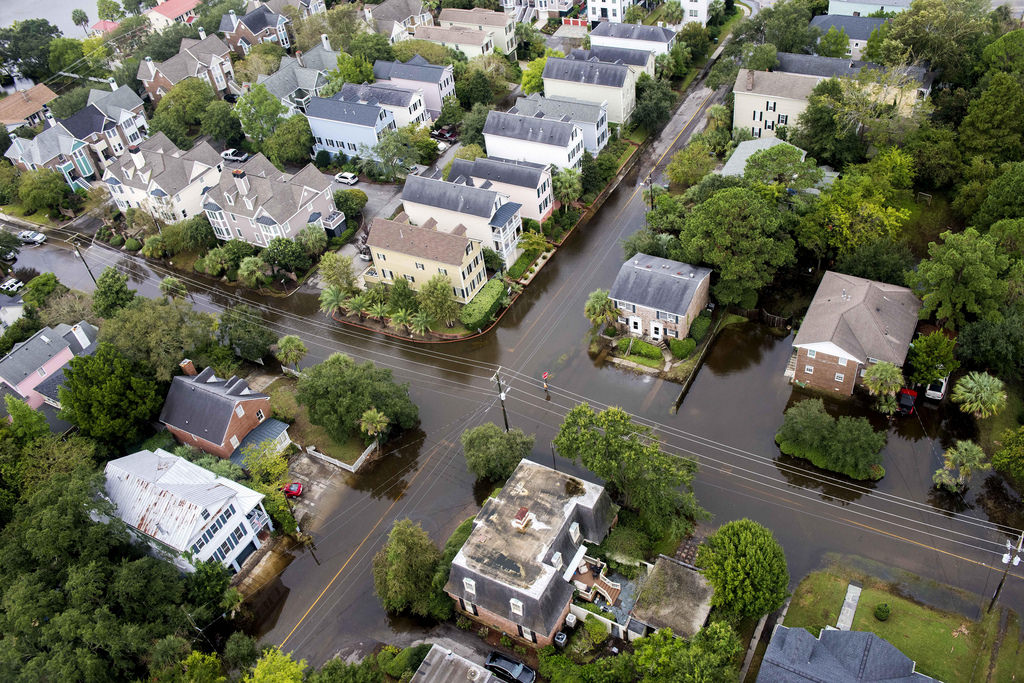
x,y
116,241
700,326
645,350
132,244
522,263
848,445
682,348
882,611
479,311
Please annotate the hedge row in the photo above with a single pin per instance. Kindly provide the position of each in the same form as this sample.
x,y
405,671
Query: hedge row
x,y
700,326
522,264
479,311
642,348
681,348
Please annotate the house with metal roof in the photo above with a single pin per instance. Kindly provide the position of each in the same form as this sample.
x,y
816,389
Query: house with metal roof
x,y
556,142
216,415
591,117
527,554
659,298
301,78
25,107
736,165
857,29
170,12
436,81
347,128
502,25
185,512
471,42
396,19
304,7
418,253
261,25
103,26
486,214
444,666
656,39
525,182
162,180
256,203
593,81
207,58
405,104
796,656
852,323
863,8
640,61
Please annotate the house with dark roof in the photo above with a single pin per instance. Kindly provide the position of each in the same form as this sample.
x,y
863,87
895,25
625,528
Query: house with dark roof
x,y
256,202
484,213
170,12
396,19
207,58
301,78
640,61
405,104
161,179
216,415
656,39
659,298
304,7
57,149
852,323
555,142
844,67
796,656
857,29
347,128
527,554
25,107
261,25
591,117
418,253
524,182
593,81
436,81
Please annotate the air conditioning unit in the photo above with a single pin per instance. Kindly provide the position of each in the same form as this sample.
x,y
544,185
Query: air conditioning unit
x,y
570,620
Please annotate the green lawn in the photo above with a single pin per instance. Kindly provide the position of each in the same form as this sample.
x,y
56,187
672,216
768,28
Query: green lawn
x,y
926,221
991,429
626,154
816,602
637,135
16,210
641,360
304,432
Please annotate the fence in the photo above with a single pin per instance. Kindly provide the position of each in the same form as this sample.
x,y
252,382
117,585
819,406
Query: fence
x,y
762,315
354,467
566,21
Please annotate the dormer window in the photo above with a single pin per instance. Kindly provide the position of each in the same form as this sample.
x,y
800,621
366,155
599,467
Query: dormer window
x,y
574,532
516,605
470,586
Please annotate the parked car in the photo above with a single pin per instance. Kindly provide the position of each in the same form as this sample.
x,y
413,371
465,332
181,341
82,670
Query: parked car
x,y
937,389
31,237
292,490
9,256
234,155
445,133
508,669
346,178
11,285
442,146
906,401
230,97
415,169
364,254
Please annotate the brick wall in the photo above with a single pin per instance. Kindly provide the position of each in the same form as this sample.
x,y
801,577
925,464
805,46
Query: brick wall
x,y
647,315
159,81
825,368
238,427
509,627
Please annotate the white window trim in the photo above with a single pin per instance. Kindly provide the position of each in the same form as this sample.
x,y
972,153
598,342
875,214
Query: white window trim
x,y
840,377
516,605
811,353
809,369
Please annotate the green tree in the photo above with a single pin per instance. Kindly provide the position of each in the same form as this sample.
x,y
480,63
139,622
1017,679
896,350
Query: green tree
x,y
336,271
400,319
284,254
961,276
290,142
949,34
332,299
312,239
783,167
747,568
690,164
338,391
820,131
109,397
112,293
600,309
192,235
275,666
936,156
27,425
181,110
980,394
739,233
436,299
883,379
173,288
654,102
696,38
251,270
259,113
263,59
240,651
38,291
350,202
403,296
964,458
80,18
882,259
66,54
349,70
710,655
931,357
474,87
27,44
834,43
672,13
371,47
1003,198
266,463
473,125
403,570
848,445
634,15
109,10
290,350
242,328
994,344
374,424
420,323
221,124
533,74
567,186
42,189
492,453
988,129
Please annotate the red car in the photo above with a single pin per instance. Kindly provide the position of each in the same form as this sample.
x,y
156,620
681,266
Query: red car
x,y
907,399
292,490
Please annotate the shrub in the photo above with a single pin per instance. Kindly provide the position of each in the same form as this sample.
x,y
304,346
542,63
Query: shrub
x,y
520,650
104,234
463,623
232,274
132,244
522,263
530,225
645,350
408,659
116,241
483,632
700,326
505,641
611,331
323,159
627,543
682,348
479,311
882,611
200,266
596,630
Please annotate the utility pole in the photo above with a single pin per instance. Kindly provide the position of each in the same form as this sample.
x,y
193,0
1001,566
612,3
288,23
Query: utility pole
x,y
74,242
1011,556
501,395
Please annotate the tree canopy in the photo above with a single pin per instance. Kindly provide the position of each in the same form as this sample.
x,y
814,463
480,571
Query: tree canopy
x,y
492,453
747,568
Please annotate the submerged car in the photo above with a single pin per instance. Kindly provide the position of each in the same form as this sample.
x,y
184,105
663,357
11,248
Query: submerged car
x,y
937,389
906,401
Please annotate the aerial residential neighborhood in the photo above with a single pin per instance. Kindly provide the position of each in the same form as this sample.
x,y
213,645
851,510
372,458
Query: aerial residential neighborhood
x,y
547,341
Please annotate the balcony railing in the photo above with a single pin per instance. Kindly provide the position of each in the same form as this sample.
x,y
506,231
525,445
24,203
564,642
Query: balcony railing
x,y
257,519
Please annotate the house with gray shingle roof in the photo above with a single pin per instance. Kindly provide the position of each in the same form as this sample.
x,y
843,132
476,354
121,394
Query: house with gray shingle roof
x,y
593,81
396,19
656,39
592,118
305,7
525,182
736,165
857,29
435,80
659,298
347,128
852,323
558,142
640,61
300,78
261,25
207,58
57,149
862,8
405,104
796,656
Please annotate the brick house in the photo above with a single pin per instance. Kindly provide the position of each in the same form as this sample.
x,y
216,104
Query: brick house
x,y
852,323
208,57
57,149
218,416
659,298
262,25
526,557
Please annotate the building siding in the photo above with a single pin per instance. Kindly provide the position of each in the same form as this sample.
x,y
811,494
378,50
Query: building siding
x,y
621,101
238,427
825,368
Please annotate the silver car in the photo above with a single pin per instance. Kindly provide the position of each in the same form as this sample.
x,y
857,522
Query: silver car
x,y
31,237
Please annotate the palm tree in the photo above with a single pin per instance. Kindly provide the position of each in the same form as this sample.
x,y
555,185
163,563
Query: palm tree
x,y
332,300
250,270
290,350
967,457
944,479
80,18
379,310
359,304
980,393
719,116
532,241
883,379
420,323
567,186
374,424
400,320
673,13
600,308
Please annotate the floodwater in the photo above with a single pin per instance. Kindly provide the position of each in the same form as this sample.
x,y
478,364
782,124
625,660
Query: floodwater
x,y
57,12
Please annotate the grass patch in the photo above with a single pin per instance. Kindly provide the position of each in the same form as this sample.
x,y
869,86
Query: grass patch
x,y
991,429
655,16
638,134
304,432
17,210
816,602
640,360
440,328
1010,660
625,156
926,221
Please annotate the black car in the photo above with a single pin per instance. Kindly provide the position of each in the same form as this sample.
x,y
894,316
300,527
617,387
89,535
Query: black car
x,y
508,669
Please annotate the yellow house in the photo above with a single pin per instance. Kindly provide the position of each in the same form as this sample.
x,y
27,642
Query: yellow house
x,y
417,253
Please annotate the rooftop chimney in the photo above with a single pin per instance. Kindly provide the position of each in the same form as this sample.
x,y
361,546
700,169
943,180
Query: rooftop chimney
x,y
298,57
522,519
325,41
137,158
188,367
750,79
241,182
80,335
113,84
202,33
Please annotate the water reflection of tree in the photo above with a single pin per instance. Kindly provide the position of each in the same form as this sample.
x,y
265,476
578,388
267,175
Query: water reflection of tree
x,y
803,474
388,477
948,502
1000,502
739,347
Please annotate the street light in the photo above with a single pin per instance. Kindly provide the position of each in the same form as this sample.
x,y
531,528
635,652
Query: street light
x,y
1011,556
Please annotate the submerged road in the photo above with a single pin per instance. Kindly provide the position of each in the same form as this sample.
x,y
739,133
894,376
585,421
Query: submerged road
x,y
320,606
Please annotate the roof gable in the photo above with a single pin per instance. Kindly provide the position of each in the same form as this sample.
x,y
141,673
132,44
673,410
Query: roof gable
x,y
586,72
657,34
203,404
451,196
529,128
658,283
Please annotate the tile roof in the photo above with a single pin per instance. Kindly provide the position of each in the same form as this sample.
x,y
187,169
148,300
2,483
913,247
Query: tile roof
x,y
193,57
170,169
864,318
447,195
22,104
416,69
775,83
276,196
737,163
612,54
589,72
476,15
203,404
795,656
557,107
417,241
333,109
495,170
172,9
455,35
105,26
857,28
633,32
658,283
382,93
529,128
